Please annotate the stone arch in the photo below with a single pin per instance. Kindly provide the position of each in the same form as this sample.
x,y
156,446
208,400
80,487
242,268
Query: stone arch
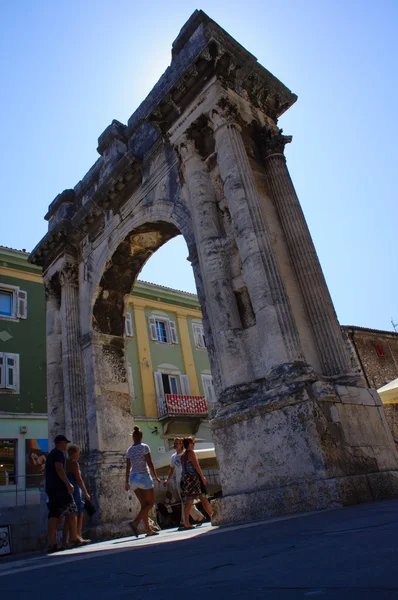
x,y
122,271
135,240
203,156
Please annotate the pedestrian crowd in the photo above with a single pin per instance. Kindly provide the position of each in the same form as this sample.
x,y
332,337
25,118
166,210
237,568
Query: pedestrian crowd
x,y
191,483
68,498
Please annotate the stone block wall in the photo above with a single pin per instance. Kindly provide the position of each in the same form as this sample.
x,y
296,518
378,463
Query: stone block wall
x,y
391,412
376,353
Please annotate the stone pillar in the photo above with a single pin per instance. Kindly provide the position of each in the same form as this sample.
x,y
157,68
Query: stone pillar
x,y
110,423
267,292
221,305
74,390
321,313
55,383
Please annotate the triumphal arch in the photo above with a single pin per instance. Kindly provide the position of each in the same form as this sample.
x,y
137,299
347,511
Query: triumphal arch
x,y
295,427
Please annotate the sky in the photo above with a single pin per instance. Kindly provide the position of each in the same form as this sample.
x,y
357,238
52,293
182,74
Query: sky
x,y
68,68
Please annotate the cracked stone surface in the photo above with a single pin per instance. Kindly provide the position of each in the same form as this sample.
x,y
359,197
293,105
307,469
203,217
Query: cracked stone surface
x,y
294,427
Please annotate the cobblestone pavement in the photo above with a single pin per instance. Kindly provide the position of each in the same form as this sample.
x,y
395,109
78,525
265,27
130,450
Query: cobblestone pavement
x,y
349,553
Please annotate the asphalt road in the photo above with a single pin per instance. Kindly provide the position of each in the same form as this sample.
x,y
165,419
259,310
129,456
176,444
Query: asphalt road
x,y
350,553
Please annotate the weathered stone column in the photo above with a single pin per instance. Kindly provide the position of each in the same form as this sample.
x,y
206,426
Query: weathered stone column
x,y
268,296
55,382
321,313
110,422
222,309
74,390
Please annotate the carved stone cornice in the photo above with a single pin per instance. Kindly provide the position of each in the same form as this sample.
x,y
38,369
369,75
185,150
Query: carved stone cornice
x,y
69,274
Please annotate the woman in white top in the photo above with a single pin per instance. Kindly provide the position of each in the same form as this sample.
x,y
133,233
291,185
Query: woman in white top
x,y
139,467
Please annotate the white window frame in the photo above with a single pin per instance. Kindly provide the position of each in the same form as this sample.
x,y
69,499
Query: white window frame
x,y
128,325
170,327
208,389
19,302
199,336
182,379
4,373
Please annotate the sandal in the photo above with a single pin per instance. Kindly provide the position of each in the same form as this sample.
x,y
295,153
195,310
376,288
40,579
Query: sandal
x,y
54,548
200,523
152,533
135,530
76,544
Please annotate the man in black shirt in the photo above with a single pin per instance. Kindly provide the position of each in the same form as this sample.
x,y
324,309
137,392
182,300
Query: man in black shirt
x,y
59,492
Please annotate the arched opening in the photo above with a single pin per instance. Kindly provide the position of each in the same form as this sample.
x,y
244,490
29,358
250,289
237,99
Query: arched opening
x,y
153,337
122,271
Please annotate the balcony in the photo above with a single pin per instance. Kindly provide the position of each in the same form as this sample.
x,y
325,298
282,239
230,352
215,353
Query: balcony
x,y
176,405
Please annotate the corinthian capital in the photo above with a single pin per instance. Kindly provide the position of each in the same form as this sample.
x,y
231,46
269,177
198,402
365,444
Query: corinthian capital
x,y
224,113
185,147
273,142
69,274
52,289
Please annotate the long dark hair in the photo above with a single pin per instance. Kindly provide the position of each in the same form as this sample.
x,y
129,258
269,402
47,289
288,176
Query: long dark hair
x,y
185,442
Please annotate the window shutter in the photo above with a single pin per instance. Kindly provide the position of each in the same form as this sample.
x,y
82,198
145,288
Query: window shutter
x,y
196,334
185,385
2,375
173,332
158,384
130,381
11,371
22,304
128,325
208,387
152,328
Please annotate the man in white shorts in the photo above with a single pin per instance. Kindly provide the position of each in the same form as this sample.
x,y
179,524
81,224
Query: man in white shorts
x,y
176,467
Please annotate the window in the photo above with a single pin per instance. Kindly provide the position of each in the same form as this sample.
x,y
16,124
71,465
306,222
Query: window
x,y
198,335
128,325
208,388
380,350
13,302
163,330
6,303
176,383
8,461
9,372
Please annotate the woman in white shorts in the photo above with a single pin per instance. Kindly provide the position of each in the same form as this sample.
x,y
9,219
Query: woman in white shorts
x,y
139,467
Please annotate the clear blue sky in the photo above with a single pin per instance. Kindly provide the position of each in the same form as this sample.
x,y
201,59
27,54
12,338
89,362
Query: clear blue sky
x,y
69,67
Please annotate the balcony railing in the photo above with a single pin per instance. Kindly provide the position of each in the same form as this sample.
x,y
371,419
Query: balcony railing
x,y
176,405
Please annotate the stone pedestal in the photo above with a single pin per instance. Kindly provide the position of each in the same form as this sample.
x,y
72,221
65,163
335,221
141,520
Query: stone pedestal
x,y
305,445
116,508
109,424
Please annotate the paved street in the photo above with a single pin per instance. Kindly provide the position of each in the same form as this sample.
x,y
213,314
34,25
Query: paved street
x,y
346,554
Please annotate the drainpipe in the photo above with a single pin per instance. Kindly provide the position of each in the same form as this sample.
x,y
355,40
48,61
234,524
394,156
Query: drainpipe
x,y
359,359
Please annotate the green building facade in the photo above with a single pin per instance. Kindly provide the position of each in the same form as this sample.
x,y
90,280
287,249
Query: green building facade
x,y
23,401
